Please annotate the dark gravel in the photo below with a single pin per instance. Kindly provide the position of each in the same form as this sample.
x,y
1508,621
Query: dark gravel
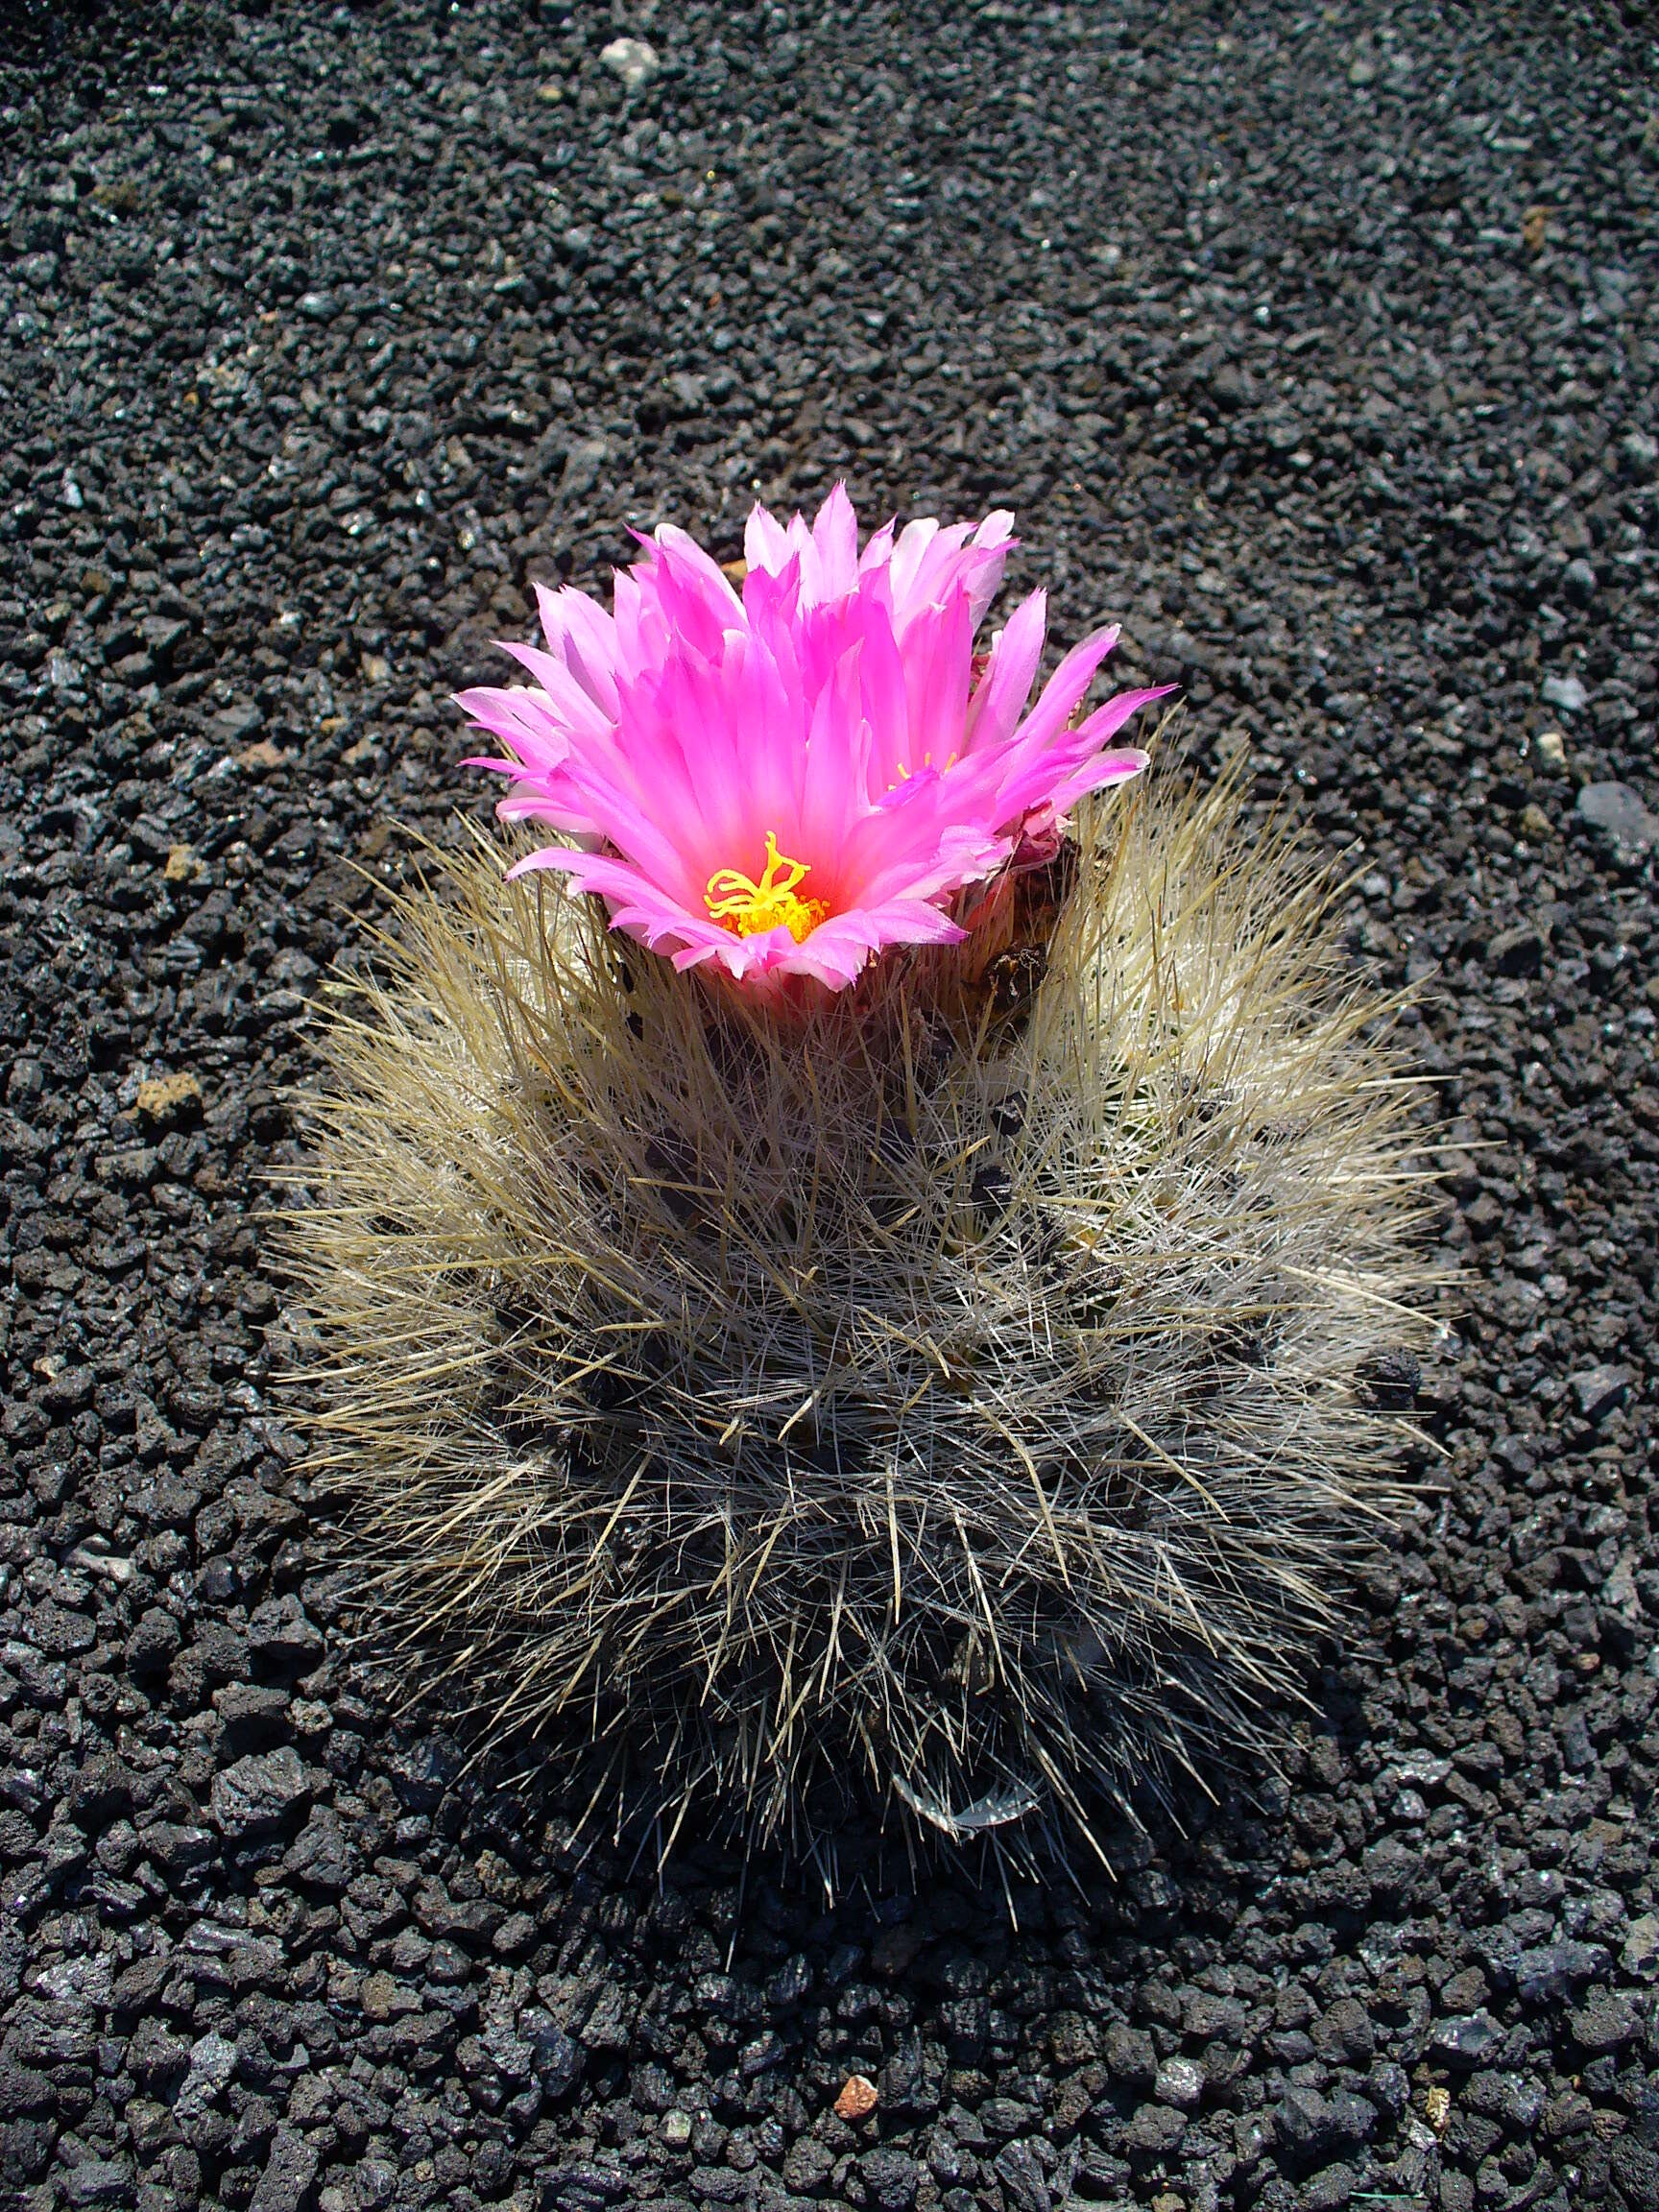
x,y
1319,344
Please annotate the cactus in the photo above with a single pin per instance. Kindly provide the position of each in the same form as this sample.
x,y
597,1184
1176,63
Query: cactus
x,y
951,1393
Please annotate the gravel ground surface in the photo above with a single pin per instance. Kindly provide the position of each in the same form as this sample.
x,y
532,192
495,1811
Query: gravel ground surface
x,y
1319,346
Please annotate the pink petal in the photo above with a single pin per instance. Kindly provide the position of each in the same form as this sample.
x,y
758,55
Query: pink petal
x,y
576,712
908,553
1106,768
879,552
938,667
1059,696
835,541
1009,674
765,544
581,633
525,719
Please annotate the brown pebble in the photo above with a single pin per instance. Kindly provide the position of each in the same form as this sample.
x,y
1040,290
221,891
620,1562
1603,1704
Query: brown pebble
x,y
263,754
163,1096
858,2096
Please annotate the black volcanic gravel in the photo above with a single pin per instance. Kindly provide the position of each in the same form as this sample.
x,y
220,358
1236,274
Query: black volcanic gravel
x,y
1319,344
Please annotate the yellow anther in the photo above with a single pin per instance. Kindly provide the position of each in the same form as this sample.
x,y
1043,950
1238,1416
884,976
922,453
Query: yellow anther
x,y
904,772
749,908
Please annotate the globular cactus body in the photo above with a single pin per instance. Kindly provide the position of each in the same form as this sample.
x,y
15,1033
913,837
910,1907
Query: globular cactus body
x,y
948,1393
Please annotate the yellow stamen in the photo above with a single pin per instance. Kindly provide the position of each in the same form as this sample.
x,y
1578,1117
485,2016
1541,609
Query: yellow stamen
x,y
749,908
905,774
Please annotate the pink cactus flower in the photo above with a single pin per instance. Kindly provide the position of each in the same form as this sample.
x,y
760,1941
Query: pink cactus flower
x,y
787,781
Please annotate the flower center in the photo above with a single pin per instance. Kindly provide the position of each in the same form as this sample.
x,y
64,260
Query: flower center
x,y
748,909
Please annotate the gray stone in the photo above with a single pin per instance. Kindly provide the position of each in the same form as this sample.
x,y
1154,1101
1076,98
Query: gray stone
x,y
587,2185
59,1630
806,2170
1636,2170
256,1795
99,2182
1344,2034
424,1770
153,1644
1641,1952
1388,2087
160,633
1619,1590
1512,2098
322,1855
1130,2054
511,2055
158,2058
1466,2039
1607,2021
583,463
1330,2190
1620,815
791,1982
253,1716
1598,1390
279,1633
1556,1970
1101,2177
1572,1733
1355,2119
1002,2117
377,2184
515,1935
1423,1770
890,2179
1155,2129
1254,2135
1393,1867
759,2056
912,2079
290,2174
1578,579
212,2063
175,1846
558,2059
153,1436
1025,2187
231,724
1518,951
1566,692
1216,2018
1179,2081
1314,2128
632,59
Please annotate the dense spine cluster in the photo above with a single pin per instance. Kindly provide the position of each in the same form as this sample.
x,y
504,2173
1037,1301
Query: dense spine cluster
x,y
957,1393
